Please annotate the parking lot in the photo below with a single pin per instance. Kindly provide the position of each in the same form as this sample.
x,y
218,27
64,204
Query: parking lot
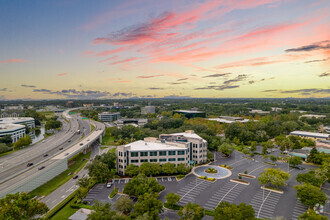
x,y
208,194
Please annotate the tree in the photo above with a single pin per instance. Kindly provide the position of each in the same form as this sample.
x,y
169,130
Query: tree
x,y
132,170
182,168
3,148
295,161
109,159
191,211
124,205
227,211
314,156
253,146
273,158
150,169
22,142
83,182
311,177
21,206
141,184
6,139
172,199
102,211
168,168
99,171
226,149
81,193
311,215
275,177
310,195
148,203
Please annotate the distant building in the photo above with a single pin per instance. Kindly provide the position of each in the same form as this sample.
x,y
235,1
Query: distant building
x,y
178,148
109,116
229,119
70,104
311,135
88,105
15,131
147,109
313,116
191,113
19,120
134,121
298,111
327,129
275,109
117,104
14,107
258,111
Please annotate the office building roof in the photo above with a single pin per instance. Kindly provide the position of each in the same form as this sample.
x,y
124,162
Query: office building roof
x,y
10,127
309,134
154,146
15,120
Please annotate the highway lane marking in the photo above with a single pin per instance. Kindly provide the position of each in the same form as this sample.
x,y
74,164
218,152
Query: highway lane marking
x,y
54,200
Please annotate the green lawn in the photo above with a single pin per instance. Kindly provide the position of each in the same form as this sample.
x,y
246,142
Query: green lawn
x,y
53,184
92,127
108,140
65,212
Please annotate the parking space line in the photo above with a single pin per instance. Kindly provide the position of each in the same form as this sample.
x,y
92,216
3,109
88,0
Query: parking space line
x,y
263,204
257,168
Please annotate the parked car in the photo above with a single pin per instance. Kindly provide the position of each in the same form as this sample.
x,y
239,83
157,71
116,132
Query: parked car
x,y
109,184
29,164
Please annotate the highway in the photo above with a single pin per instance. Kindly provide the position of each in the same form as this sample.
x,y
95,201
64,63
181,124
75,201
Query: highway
x,y
61,157
16,162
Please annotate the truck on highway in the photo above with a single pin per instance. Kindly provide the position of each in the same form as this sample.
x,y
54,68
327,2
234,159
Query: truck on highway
x,y
78,132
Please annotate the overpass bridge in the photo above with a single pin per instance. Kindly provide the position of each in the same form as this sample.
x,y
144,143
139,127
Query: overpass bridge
x,y
33,178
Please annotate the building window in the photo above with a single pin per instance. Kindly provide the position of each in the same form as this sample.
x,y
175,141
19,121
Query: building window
x,y
171,153
134,161
181,152
153,160
171,159
144,160
162,160
134,154
143,154
162,153
153,153
180,159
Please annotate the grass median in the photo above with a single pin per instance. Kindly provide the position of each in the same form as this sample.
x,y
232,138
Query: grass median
x,y
75,165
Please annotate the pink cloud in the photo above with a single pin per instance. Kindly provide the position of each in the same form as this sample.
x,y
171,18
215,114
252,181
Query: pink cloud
x,y
124,81
88,53
124,61
108,59
13,61
62,74
110,52
146,77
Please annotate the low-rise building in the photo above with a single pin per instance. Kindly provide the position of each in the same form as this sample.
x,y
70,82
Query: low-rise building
x,y
108,116
258,111
15,131
229,119
276,109
313,116
126,121
191,113
186,148
148,109
311,135
19,120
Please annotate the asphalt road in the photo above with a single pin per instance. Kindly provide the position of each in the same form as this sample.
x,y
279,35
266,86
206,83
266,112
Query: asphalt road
x,y
69,187
16,162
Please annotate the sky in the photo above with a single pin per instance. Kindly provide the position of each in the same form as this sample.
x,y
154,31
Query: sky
x,y
84,49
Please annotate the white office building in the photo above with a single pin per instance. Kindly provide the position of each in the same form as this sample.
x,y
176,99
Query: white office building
x,y
19,120
186,147
15,131
109,116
